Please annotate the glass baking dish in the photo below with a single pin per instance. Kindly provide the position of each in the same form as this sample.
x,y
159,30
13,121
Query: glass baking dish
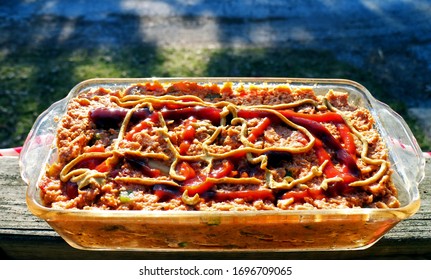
x,y
290,230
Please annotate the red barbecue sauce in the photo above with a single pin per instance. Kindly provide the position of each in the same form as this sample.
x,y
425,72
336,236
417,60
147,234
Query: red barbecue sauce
x,y
326,147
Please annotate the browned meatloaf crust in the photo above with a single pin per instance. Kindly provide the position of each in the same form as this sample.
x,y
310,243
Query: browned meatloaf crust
x,y
189,146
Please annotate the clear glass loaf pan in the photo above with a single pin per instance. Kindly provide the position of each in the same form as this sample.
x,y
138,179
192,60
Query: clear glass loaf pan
x,y
337,229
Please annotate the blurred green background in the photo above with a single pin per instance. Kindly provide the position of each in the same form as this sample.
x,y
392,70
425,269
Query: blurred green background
x,y
46,51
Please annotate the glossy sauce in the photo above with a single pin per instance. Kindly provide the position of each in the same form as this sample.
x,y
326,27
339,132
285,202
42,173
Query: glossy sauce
x,y
327,148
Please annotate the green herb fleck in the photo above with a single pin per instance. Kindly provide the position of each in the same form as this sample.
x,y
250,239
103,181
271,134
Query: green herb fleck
x,y
125,197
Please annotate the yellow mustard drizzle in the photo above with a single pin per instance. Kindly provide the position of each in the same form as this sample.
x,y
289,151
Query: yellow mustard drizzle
x,y
254,155
384,165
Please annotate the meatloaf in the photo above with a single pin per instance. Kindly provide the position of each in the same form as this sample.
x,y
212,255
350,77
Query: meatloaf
x,y
217,147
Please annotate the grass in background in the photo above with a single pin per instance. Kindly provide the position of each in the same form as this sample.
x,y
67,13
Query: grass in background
x,y
32,79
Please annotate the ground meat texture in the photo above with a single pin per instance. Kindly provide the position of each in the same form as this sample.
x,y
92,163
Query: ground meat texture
x,y
203,157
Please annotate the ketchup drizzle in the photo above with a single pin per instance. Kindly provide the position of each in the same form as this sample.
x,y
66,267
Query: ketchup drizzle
x,y
327,148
